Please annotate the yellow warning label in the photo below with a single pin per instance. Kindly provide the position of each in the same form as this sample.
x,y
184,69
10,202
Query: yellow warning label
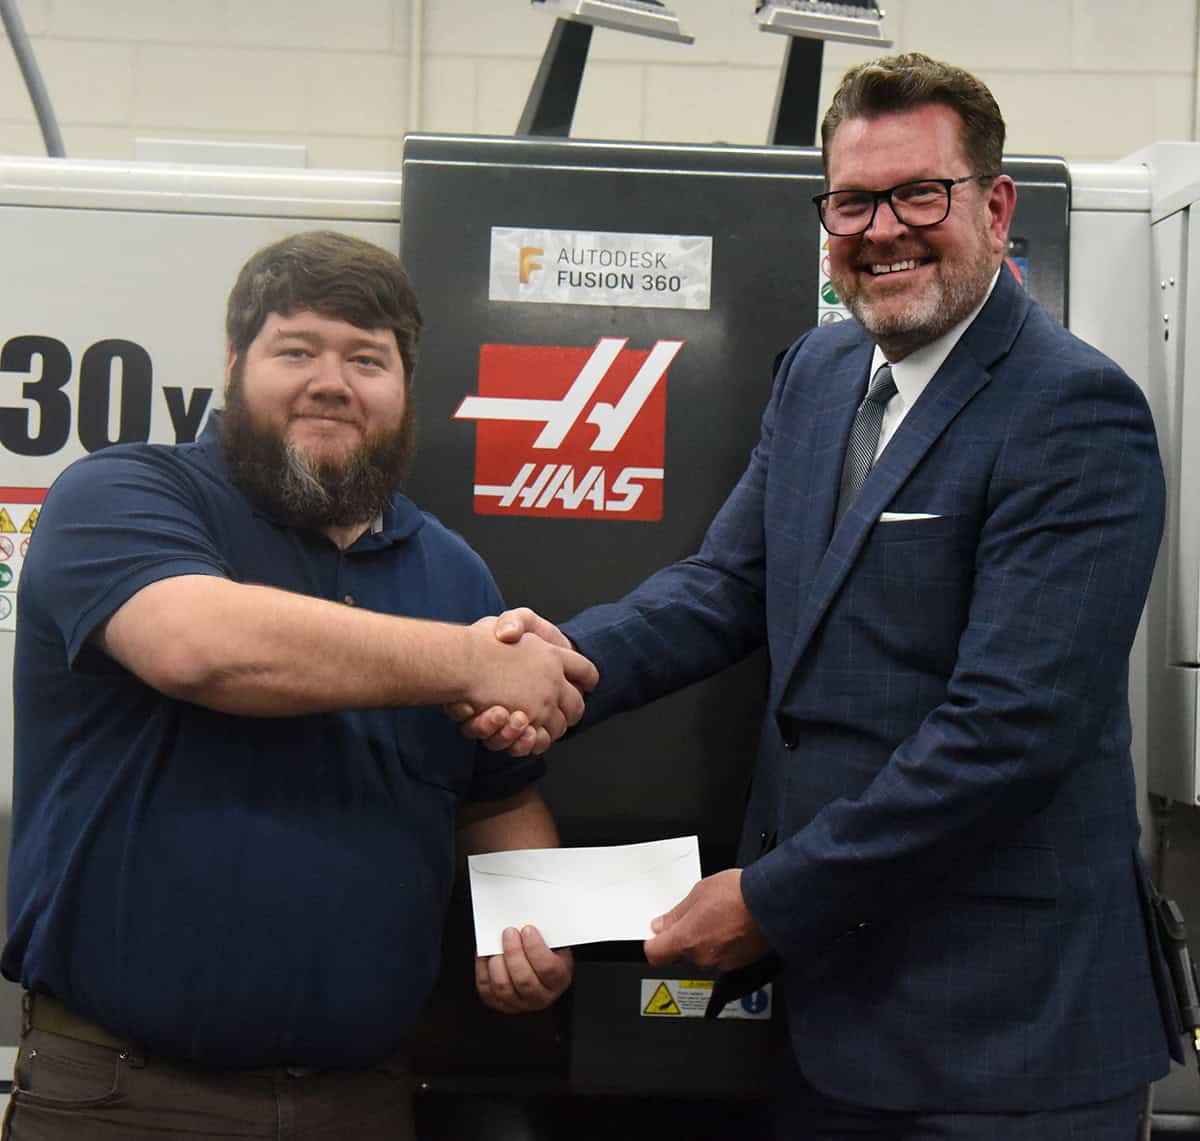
x,y
29,524
662,1001
690,998
6,523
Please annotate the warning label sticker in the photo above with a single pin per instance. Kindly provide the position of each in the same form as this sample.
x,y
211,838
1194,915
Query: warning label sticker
x,y
830,307
662,1001
19,507
688,998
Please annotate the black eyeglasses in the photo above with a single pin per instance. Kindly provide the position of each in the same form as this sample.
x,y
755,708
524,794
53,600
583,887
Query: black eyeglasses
x,y
925,202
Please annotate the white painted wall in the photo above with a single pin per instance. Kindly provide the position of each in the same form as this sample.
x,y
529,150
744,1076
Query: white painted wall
x,y
1086,79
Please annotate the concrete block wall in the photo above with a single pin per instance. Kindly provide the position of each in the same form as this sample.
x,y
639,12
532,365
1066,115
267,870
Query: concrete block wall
x,y
1086,79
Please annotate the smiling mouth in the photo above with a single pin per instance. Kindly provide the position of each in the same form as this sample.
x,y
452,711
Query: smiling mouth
x,y
318,418
882,269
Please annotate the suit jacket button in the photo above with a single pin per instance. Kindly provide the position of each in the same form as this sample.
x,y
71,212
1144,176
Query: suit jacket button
x,y
787,732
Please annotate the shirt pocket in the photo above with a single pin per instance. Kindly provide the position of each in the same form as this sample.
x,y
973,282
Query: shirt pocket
x,y
433,752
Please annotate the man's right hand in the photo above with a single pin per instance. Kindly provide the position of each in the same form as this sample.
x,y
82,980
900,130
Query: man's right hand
x,y
529,684
503,726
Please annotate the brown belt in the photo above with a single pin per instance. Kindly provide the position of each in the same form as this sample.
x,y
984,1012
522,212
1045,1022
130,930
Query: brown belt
x,y
41,1012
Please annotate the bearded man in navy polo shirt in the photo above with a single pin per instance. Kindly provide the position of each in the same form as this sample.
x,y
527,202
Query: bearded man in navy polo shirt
x,y
236,795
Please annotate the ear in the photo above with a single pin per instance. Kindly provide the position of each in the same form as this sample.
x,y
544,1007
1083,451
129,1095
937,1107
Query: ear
x,y
1001,202
230,359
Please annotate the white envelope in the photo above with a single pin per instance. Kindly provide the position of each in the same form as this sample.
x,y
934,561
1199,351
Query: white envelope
x,y
580,895
904,516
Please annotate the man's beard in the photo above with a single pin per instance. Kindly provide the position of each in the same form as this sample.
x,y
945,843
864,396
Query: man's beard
x,y
956,288
306,492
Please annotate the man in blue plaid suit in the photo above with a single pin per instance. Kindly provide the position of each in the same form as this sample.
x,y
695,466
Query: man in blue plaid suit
x,y
947,568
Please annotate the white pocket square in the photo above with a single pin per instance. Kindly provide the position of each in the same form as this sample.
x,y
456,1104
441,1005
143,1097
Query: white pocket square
x,y
904,516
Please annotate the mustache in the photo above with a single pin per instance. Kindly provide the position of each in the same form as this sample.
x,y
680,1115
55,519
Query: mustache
x,y
874,254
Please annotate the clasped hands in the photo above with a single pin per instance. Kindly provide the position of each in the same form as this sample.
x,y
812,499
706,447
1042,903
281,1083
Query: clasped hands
x,y
529,684
710,927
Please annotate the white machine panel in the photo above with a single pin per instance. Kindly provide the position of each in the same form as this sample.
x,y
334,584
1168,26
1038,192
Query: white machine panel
x,y
1185,595
1135,247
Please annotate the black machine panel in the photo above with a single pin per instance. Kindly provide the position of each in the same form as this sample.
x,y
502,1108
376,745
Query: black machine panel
x,y
680,766
541,361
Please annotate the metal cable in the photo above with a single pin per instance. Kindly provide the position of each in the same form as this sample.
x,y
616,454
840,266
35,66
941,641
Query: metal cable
x,y
23,50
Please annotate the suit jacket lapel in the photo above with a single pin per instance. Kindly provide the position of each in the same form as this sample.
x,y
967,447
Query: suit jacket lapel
x,y
963,374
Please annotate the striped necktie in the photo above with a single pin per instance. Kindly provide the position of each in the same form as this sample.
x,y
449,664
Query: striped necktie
x,y
864,436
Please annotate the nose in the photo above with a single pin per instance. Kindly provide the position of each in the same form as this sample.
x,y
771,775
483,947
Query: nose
x,y
885,225
328,378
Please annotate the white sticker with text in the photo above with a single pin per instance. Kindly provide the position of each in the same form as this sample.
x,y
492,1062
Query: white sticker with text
x,y
587,267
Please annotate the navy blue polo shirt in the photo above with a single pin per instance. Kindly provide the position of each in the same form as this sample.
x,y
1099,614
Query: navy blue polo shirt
x,y
233,891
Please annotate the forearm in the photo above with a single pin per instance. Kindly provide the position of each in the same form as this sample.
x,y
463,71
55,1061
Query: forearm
x,y
259,651
528,975
695,617
521,821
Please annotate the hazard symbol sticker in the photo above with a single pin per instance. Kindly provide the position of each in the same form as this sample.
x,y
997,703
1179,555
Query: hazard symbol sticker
x,y
570,433
662,1001
19,507
688,998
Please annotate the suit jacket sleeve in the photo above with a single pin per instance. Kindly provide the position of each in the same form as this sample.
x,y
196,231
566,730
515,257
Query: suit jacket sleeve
x,y
695,617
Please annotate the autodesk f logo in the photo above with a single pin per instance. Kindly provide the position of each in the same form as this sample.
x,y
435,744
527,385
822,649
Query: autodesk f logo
x,y
527,262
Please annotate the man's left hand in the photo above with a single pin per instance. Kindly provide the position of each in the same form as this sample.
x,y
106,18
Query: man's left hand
x,y
710,927
527,976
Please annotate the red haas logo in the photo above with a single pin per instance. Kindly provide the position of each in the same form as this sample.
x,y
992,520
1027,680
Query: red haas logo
x,y
570,433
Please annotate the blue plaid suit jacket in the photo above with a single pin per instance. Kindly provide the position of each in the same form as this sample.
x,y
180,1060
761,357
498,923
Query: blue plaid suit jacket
x,y
941,839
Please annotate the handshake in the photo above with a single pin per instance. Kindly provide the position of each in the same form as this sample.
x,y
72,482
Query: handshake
x,y
530,684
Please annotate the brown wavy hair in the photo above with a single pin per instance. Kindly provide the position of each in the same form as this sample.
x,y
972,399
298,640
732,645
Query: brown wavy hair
x,y
905,82
330,273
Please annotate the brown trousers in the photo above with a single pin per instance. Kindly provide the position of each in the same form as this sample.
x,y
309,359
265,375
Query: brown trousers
x,y
64,1090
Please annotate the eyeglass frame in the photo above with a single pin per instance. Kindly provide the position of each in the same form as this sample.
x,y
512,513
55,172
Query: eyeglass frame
x,y
879,196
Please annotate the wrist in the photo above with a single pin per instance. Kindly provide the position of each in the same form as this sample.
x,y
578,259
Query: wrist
x,y
469,646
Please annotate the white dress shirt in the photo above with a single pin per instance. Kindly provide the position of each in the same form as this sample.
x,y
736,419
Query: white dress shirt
x,y
917,369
